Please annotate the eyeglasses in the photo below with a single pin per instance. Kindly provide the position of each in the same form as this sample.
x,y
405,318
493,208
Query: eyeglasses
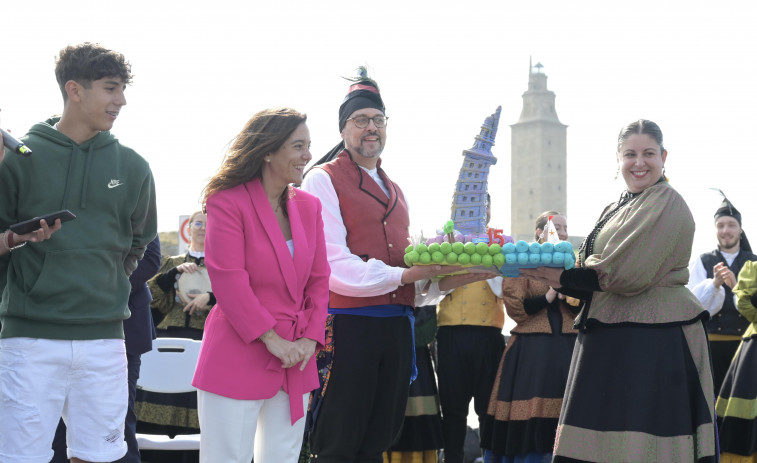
x,y
198,224
361,122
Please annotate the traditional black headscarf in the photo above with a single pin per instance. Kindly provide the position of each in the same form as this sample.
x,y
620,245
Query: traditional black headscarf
x,y
363,93
727,209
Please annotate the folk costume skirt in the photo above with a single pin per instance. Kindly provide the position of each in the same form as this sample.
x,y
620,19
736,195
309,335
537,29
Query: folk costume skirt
x,y
737,406
639,393
422,427
527,394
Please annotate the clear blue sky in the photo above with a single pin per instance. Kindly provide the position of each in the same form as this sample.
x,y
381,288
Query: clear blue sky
x,y
203,68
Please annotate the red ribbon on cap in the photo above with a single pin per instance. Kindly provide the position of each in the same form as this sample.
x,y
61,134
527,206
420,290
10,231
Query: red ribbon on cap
x,y
370,88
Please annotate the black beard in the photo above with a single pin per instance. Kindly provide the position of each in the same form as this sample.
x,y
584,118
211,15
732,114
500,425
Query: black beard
x,y
723,244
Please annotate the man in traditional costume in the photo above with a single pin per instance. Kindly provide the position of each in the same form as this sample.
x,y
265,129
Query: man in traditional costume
x,y
469,348
712,277
368,362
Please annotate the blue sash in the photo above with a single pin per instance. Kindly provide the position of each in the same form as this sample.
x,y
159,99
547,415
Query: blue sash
x,y
384,311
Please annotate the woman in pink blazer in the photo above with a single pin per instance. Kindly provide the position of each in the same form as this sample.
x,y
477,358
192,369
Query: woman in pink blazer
x,y
266,258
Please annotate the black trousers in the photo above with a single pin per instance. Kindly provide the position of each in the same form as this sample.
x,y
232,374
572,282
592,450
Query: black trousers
x,y
134,362
366,396
468,357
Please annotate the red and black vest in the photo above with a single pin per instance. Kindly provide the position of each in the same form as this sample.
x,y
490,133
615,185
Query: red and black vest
x,y
377,226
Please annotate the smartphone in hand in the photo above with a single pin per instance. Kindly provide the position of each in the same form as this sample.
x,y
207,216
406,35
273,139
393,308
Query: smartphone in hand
x,y
28,226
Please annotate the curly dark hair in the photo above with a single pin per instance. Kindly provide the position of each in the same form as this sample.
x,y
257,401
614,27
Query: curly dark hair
x,y
87,62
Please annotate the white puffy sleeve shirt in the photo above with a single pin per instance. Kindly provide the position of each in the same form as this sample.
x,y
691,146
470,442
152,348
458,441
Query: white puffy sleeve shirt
x,y
350,275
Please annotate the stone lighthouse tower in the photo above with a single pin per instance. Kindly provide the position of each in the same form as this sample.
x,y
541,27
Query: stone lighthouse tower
x,y
469,200
538,158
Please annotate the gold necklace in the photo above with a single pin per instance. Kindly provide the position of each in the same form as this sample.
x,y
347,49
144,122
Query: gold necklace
x,y
275,209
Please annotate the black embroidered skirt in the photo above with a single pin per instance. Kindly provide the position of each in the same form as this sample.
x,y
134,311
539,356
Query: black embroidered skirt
x,y
639,393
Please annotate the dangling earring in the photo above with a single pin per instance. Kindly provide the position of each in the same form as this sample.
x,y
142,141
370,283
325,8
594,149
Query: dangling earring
x,y
268,160
617,172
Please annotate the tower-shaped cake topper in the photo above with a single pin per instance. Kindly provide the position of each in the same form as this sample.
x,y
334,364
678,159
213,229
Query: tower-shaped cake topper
x,y
469,200
549,234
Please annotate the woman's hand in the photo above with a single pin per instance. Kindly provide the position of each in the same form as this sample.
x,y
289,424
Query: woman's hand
x,y
306,347
198,304
187,267
547,275
552,294
284,350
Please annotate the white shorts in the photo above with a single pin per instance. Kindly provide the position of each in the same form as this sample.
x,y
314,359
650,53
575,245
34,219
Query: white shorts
x,y
43,379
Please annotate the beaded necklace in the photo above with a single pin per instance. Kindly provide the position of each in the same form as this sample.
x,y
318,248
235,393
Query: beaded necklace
x,y
587,246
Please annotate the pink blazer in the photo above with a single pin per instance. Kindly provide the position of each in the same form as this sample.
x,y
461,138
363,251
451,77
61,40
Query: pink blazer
x,y
259,286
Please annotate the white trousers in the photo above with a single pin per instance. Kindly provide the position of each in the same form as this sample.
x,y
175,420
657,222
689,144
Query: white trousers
x,y
232,430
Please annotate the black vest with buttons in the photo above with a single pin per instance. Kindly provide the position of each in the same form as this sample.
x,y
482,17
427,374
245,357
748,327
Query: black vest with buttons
x,y
728,321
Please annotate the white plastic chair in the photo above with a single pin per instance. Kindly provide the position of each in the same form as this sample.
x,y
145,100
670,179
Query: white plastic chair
x,y
169,368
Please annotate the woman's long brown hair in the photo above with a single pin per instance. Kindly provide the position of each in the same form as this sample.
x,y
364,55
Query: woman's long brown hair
x,y
263,134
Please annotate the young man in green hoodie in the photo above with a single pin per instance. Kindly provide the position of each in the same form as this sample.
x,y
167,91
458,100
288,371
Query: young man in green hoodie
x,y
64,299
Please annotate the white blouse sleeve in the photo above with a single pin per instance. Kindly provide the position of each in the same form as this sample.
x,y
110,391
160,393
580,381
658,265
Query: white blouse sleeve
x,y
350,275
712,298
